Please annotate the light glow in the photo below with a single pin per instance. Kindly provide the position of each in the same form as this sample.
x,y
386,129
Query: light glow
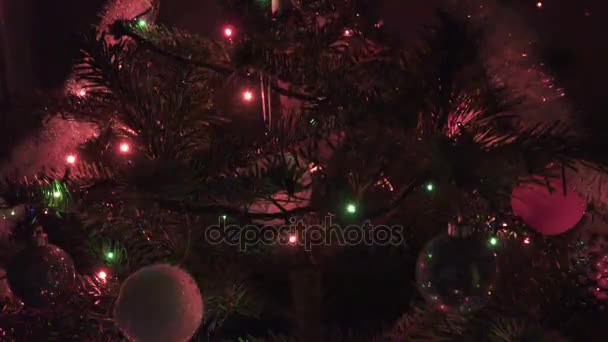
x,y
102,275
351,208
247,95
228,32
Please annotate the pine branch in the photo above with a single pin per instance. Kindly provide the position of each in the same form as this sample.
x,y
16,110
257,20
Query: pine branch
x,y
148,37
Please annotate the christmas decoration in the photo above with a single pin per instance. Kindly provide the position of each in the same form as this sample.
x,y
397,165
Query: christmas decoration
x,y
56,195
456,273
102,275
228,32
356,125
351,208
248,95
546,208
159,303
42,276
71,159
125,148
142,24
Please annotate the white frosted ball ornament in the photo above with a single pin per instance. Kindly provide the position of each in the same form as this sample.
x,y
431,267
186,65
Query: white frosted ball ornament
x,y
159,303
548,212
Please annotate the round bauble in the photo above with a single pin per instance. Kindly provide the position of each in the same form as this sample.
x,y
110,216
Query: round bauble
x,y
548,212
159,303
42,276
456,273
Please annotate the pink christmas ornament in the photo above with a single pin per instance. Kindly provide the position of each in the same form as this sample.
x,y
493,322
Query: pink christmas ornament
x,y
549,212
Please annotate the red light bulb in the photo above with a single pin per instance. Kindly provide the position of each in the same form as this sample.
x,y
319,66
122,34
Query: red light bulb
x,y
248,96
102,275
124,148
228,32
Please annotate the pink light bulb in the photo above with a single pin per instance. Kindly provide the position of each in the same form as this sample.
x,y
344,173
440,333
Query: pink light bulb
x,y
293,239
124,147
71,159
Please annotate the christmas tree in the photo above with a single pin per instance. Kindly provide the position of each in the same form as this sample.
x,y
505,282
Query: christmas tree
x,y
303,175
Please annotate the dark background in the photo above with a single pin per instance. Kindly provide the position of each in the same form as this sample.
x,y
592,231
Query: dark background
x,y
571,38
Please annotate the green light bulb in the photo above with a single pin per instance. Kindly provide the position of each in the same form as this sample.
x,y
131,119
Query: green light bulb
x,y
141,23
430,187
493,241
110,255
57,194
351,208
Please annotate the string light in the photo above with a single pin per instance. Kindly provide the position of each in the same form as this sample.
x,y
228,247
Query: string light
x,y
57,194
248,95
71,159
351,208
430,187
539,4
527,240
110,255
348,33
142,24
102,275
82,92
124,147
493,241
228,32
293,239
